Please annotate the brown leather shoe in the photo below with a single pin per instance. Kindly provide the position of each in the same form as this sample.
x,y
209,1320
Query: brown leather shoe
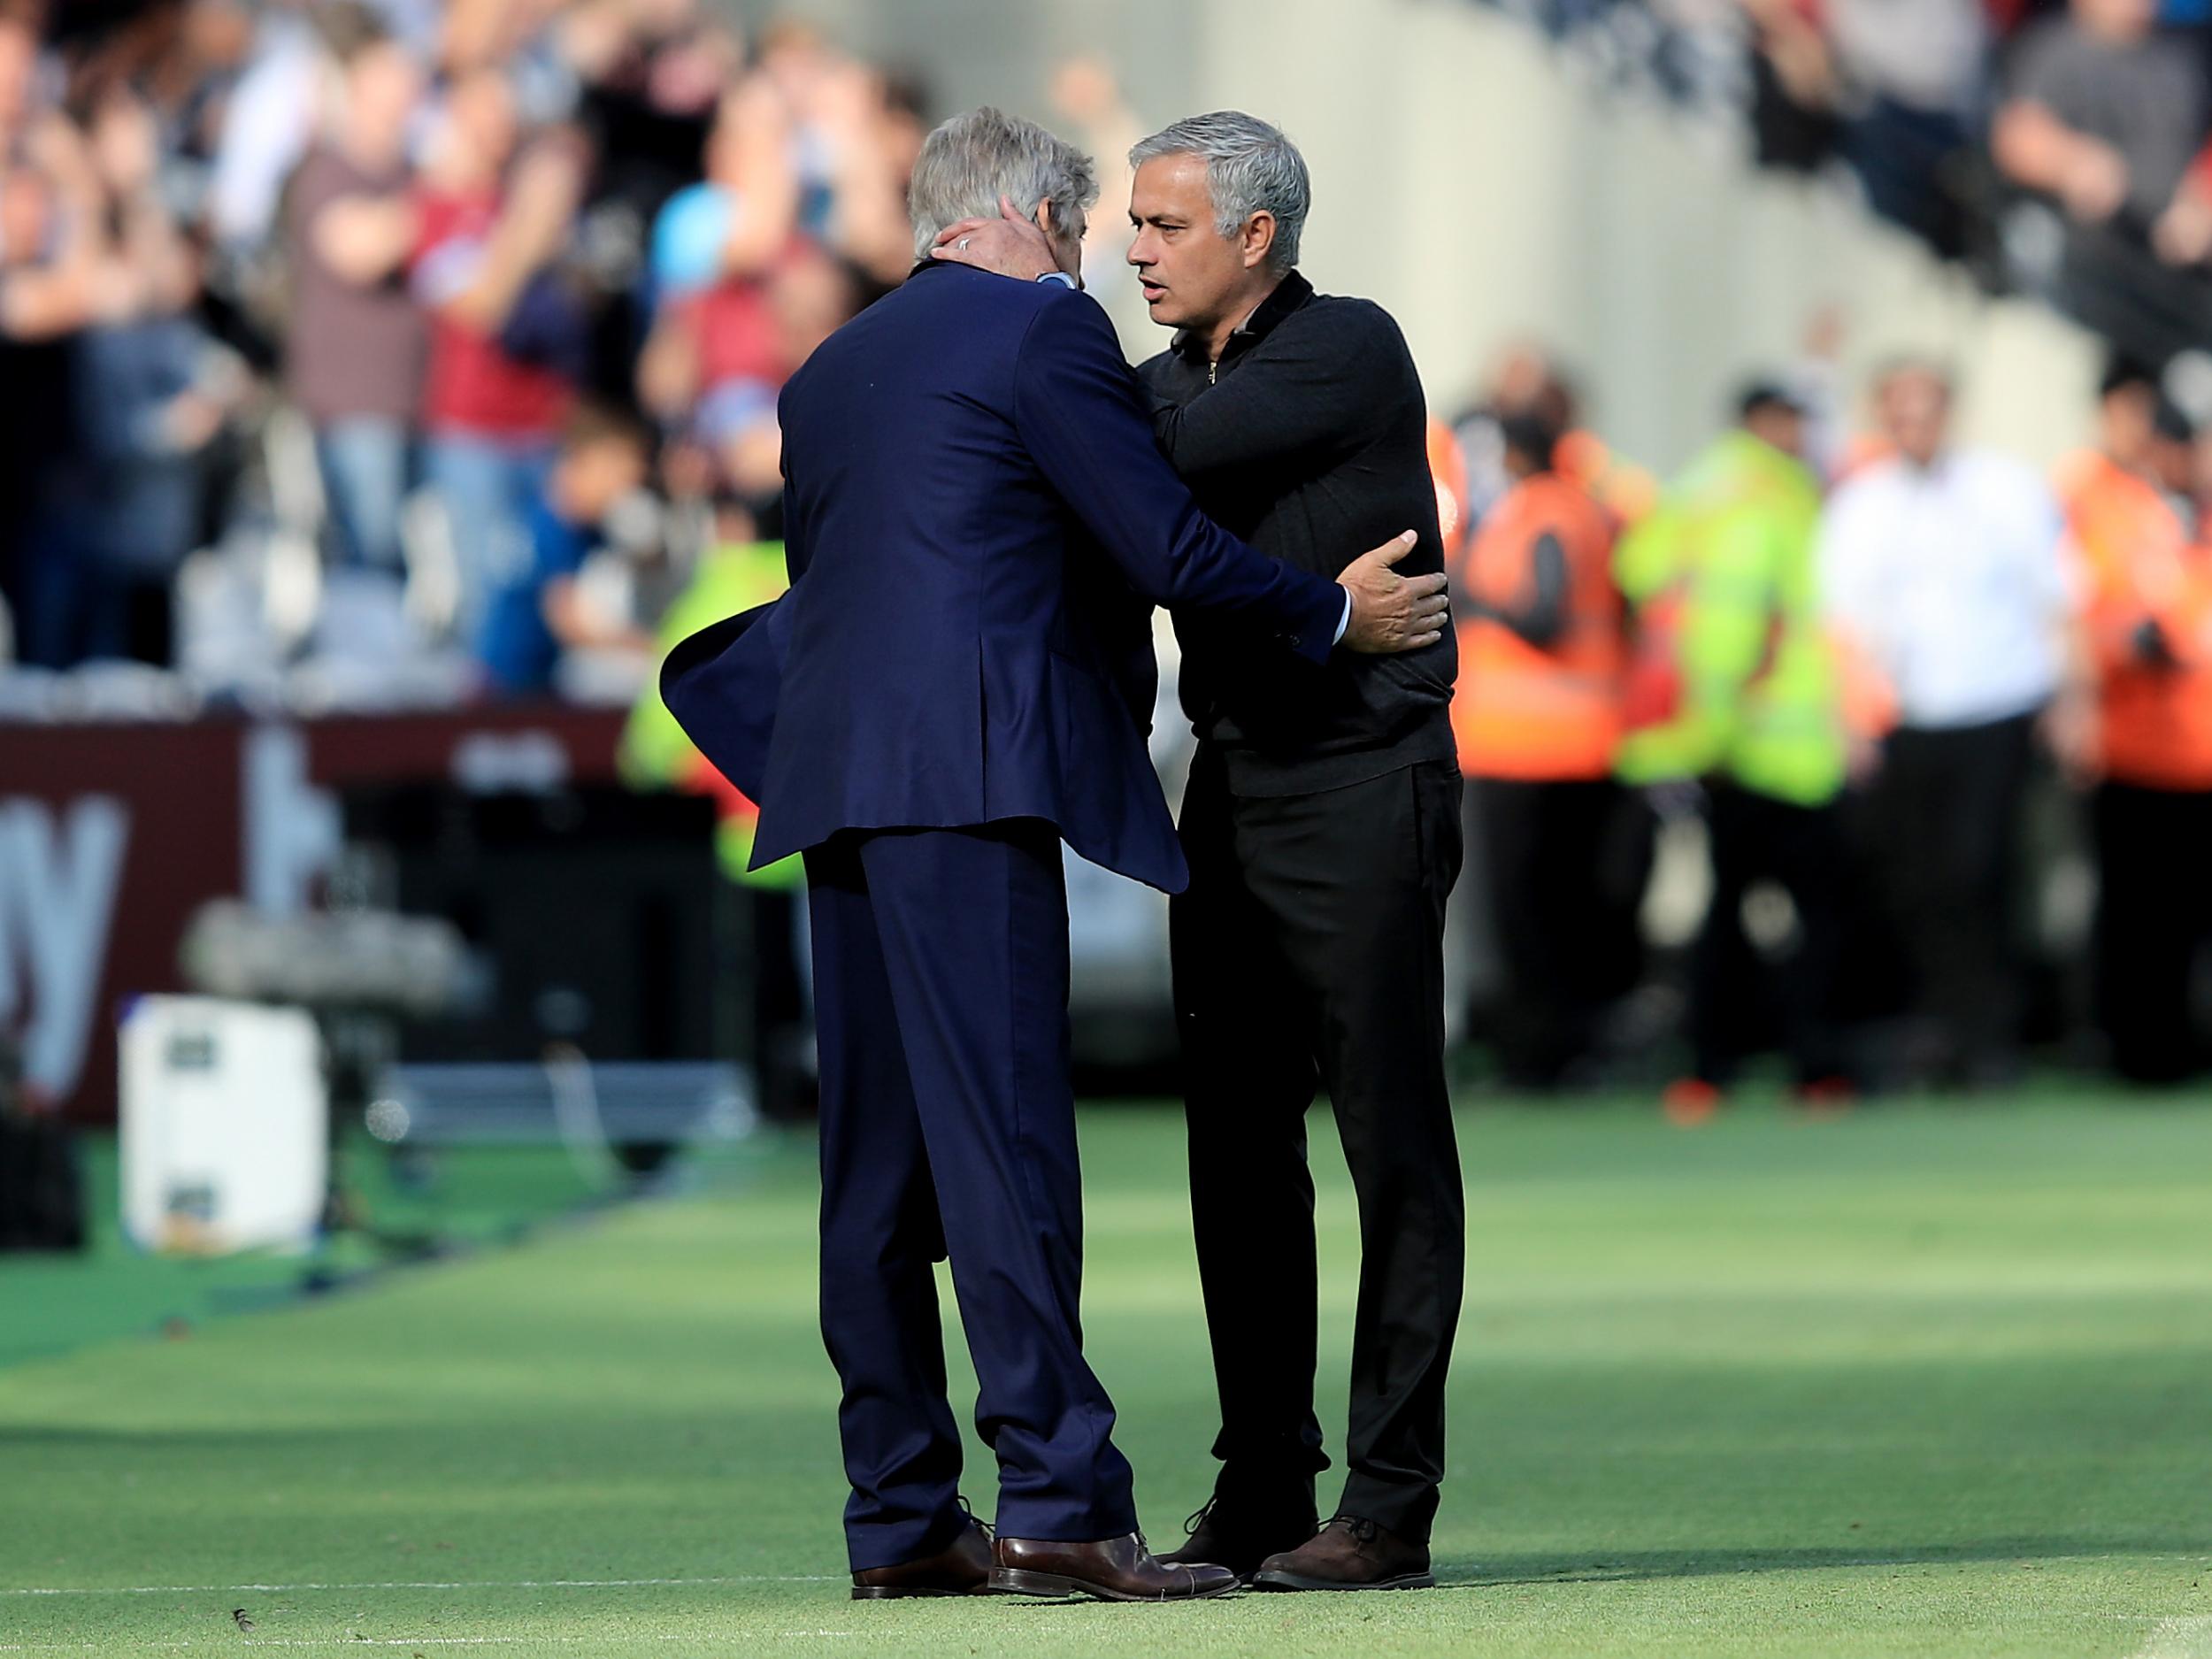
x,y
1239,1535
962,1568
1112,1569
1349,1554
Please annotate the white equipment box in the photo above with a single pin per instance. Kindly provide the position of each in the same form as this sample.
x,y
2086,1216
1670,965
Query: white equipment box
x,y
225,1127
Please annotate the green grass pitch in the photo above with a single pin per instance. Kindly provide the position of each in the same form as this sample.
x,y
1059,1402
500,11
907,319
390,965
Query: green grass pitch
x,y
1923,1380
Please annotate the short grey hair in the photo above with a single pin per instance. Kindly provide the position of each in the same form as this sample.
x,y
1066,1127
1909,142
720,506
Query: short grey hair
x,y
971,160
1250,168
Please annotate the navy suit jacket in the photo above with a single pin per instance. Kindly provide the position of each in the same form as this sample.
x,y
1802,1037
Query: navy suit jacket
x,y
978,523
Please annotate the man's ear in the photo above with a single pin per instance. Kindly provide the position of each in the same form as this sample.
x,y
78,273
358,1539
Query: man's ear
x,y
1259,239
1044,216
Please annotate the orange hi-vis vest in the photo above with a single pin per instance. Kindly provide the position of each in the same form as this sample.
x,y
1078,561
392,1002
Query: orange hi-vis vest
x,y
1551,712
2154,721
1448,466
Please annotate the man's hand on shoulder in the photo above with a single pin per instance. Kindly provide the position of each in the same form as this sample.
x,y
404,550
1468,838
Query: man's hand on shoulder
x,y
1390,612
1009,246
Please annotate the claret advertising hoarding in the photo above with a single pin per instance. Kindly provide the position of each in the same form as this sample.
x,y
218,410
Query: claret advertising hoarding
x,y
112,836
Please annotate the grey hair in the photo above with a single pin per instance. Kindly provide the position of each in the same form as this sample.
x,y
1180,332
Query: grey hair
x,y
1250,168
971,160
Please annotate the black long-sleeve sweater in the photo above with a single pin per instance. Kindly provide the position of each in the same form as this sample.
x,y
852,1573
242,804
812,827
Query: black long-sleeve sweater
x,y
1308,439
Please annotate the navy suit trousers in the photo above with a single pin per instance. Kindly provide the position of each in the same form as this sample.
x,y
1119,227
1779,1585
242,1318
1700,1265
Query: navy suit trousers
x,y
941,963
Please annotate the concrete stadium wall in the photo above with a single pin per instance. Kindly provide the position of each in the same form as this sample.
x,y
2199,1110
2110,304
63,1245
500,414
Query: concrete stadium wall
x,y
1470,179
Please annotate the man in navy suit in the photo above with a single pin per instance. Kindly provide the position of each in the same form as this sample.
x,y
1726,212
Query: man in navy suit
x,y
977,522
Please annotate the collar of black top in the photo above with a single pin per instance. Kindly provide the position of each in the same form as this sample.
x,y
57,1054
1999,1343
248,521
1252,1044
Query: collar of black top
x,y
1292,292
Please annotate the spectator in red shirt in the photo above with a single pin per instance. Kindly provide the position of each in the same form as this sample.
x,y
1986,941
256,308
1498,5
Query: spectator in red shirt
x,y
497,390
712,366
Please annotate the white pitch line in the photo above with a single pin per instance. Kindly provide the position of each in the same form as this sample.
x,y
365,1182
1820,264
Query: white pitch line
x,y
2188,1638
366,1641
287,1642
475,1584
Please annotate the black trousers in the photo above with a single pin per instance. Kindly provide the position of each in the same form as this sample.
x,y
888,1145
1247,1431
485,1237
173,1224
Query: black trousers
x,y
1564,865
1739,1001
1309,950
2153,922
2111,282
1947,804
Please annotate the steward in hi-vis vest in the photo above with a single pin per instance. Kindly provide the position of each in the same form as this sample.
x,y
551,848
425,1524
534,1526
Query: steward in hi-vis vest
x,y
2146,619
1537,714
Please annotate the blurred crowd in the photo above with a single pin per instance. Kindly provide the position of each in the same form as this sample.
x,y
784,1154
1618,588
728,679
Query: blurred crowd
x,y
446,332
1901,687
424,340
431,348
2058,147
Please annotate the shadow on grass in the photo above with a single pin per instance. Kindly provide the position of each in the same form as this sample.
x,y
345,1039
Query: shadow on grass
x,y
1501,1571
1511,1571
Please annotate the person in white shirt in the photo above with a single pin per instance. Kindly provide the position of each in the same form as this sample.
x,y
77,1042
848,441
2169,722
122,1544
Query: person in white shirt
x,y
1944,568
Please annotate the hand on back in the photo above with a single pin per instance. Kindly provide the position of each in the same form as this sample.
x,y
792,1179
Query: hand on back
x,y
1393,613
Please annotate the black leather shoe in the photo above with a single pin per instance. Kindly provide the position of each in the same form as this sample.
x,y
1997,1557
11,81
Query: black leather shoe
x,y
962,1568
1239,1535
1112,1569
1349,1554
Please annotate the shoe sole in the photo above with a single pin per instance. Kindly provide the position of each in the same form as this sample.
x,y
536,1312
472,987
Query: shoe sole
x,y
892,1592
1280,1580
1018,1581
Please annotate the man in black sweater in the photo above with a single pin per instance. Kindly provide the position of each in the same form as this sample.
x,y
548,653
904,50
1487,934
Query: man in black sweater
x,y
1322,827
